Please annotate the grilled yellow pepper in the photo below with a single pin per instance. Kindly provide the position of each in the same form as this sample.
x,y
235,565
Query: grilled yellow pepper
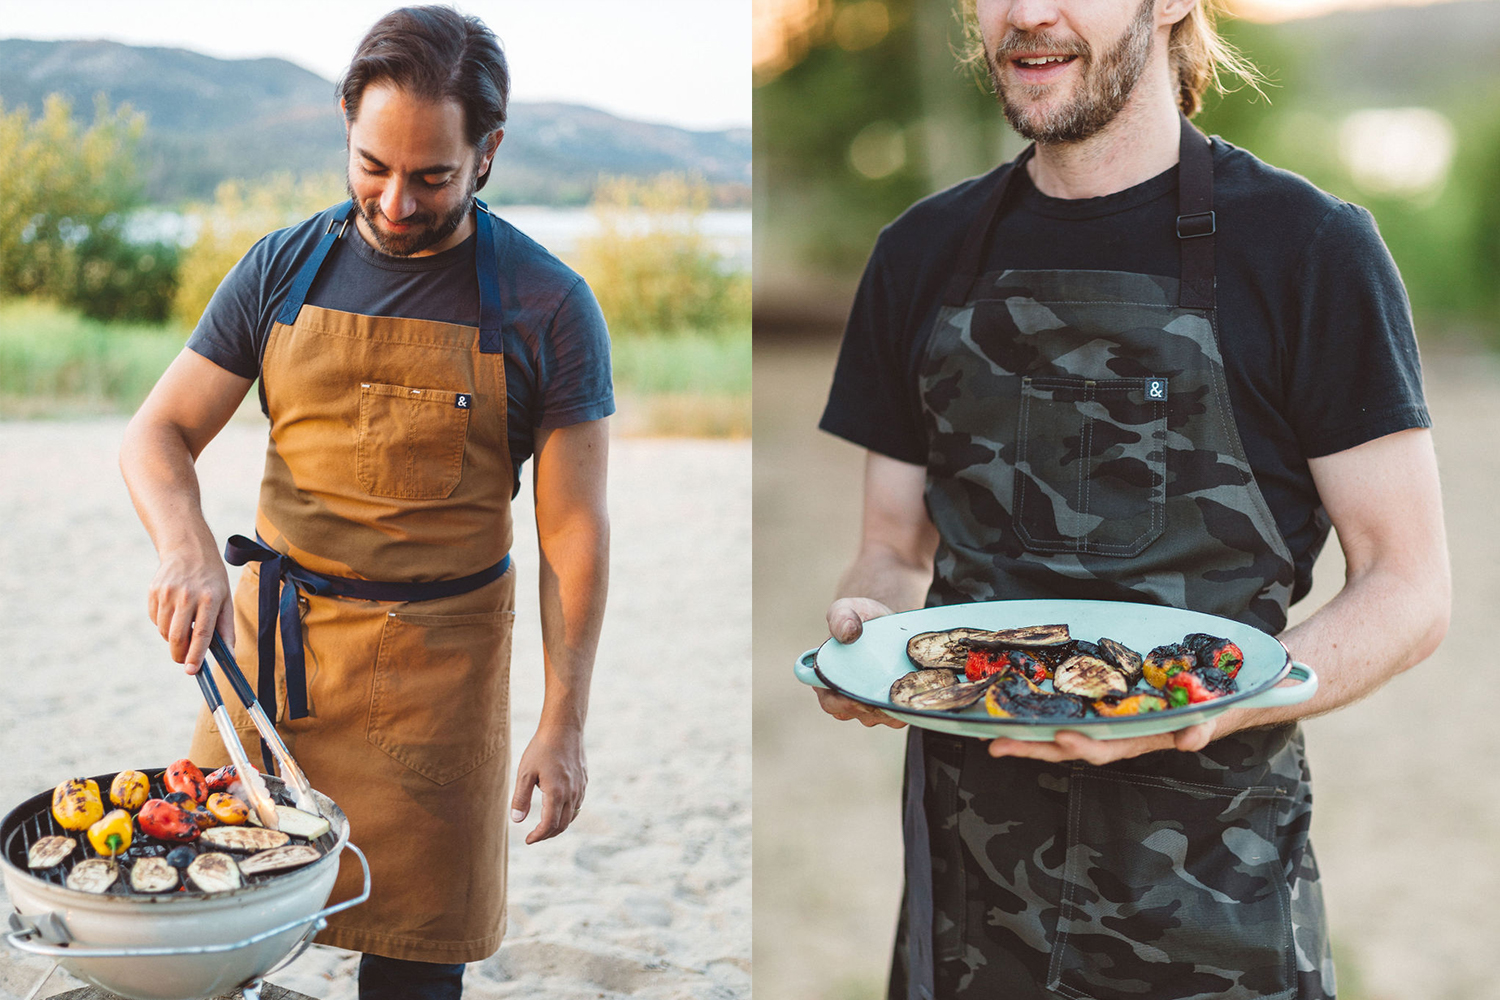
x,y
111,835
130,790
76,804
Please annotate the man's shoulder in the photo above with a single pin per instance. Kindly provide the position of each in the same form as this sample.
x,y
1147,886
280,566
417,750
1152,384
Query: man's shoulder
x,y
292,243
530,264
1249,188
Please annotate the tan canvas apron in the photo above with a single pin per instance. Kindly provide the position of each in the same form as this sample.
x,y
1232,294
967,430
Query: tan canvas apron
x,y
388,461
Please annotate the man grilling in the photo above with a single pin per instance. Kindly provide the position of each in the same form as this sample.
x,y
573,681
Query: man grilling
x,y
413,350
1018,343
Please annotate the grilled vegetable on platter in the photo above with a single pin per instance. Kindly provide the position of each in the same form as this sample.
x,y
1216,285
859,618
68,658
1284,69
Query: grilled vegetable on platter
x,y
1007,668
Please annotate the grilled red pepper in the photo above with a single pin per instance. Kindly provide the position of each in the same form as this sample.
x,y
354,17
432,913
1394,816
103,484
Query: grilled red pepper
x,y
164,821
1221,654
220,780
184,776
984,663
1190,687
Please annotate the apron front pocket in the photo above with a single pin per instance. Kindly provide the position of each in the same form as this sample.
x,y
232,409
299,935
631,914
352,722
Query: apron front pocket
x,y
440,702
1173,891
411,441
1091,464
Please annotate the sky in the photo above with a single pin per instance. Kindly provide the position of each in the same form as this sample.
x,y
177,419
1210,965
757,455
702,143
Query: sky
x,y
676,62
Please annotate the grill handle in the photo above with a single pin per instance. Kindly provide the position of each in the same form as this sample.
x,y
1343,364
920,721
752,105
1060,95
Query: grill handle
x,y
22,940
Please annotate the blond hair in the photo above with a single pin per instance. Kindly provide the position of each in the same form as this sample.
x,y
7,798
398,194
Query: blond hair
x,y
1197,53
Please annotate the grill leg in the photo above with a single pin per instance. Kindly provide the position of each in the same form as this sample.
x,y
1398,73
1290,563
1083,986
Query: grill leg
x,y
42,982
252,989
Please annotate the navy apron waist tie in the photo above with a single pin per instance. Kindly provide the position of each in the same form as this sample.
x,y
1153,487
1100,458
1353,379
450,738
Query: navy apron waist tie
x,y
280,578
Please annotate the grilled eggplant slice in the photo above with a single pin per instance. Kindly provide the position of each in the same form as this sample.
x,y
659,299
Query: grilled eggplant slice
x,y
243,838
951,698
1089,677
950,649
93,875
50,851
1122,656
153,875
909,685
280,859
943,650
214,872
299,823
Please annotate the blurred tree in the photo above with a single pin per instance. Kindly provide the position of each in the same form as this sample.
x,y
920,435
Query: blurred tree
x,y
243,212
60,185
651,268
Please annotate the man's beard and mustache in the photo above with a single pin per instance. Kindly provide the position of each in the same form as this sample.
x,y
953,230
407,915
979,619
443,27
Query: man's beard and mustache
x,y
1105,87
432,232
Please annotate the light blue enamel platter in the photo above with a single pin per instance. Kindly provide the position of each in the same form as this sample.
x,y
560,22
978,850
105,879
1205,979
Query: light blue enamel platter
x,y
864,669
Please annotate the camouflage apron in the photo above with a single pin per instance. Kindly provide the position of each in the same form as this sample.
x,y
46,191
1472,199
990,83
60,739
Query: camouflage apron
x,y
1082,446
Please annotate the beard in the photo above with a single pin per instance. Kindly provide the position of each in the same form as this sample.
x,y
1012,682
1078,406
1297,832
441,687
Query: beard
x,y
432,229
1103,90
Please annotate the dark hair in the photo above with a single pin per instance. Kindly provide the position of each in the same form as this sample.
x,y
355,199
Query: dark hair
x,y
437,54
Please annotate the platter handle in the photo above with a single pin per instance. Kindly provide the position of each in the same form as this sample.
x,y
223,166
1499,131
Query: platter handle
x,y
803,668
1305,688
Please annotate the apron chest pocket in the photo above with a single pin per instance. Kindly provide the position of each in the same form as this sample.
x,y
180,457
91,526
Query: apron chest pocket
x,y
441,698
1171,890
411,441
1091,465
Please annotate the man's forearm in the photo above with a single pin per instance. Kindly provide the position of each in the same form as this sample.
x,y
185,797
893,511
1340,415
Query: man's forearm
x,y
160,474
573,584
881,573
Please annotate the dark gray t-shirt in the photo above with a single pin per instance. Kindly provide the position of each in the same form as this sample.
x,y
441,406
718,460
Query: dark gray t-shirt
x,y
557,369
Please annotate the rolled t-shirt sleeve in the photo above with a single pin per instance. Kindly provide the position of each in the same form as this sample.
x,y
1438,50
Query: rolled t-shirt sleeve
x,y
1356,374
874,401
230,331
574,364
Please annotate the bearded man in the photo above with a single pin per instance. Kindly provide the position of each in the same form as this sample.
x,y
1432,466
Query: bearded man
x,y
1134,364
413,351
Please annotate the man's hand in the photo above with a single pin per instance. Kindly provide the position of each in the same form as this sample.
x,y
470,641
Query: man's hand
x,y
846,620
189,598
1075,746
553,764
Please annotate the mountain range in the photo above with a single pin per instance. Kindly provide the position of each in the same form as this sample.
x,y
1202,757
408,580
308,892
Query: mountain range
x,y
209,120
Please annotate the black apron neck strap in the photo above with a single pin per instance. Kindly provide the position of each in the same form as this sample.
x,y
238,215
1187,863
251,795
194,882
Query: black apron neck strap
x,y
977,240
1196,224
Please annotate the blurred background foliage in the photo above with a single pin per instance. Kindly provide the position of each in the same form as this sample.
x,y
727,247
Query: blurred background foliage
x,y
99,290
861,107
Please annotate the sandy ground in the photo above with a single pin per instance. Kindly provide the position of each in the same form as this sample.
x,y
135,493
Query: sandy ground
x,y
1407,825
647,895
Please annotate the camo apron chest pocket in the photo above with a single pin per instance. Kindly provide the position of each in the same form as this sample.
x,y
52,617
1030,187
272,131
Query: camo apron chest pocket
x,y
411,441
1091,464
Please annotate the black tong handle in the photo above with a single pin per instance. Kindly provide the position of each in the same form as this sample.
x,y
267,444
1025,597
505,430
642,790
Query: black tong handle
x,y
232,673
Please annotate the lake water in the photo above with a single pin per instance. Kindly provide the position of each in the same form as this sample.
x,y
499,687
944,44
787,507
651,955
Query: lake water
x,y
558,229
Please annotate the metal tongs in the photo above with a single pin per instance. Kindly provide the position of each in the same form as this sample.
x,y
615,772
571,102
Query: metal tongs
x,y
250,779
302,792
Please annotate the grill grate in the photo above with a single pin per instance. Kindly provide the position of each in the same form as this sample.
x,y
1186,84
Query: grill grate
x,y
32,820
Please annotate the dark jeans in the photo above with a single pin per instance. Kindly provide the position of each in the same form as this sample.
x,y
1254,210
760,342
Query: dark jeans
x,y
394,979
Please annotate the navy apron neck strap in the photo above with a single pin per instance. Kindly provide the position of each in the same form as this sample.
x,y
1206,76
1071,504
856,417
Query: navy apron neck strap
x,y
487,268
309,270
1196,224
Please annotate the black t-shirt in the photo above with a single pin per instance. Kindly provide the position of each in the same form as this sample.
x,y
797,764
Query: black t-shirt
x,y
557,367
1316,331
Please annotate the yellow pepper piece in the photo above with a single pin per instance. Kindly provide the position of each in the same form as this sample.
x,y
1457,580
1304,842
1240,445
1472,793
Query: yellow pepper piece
x,y
130,790
76,804
227,809
111,835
